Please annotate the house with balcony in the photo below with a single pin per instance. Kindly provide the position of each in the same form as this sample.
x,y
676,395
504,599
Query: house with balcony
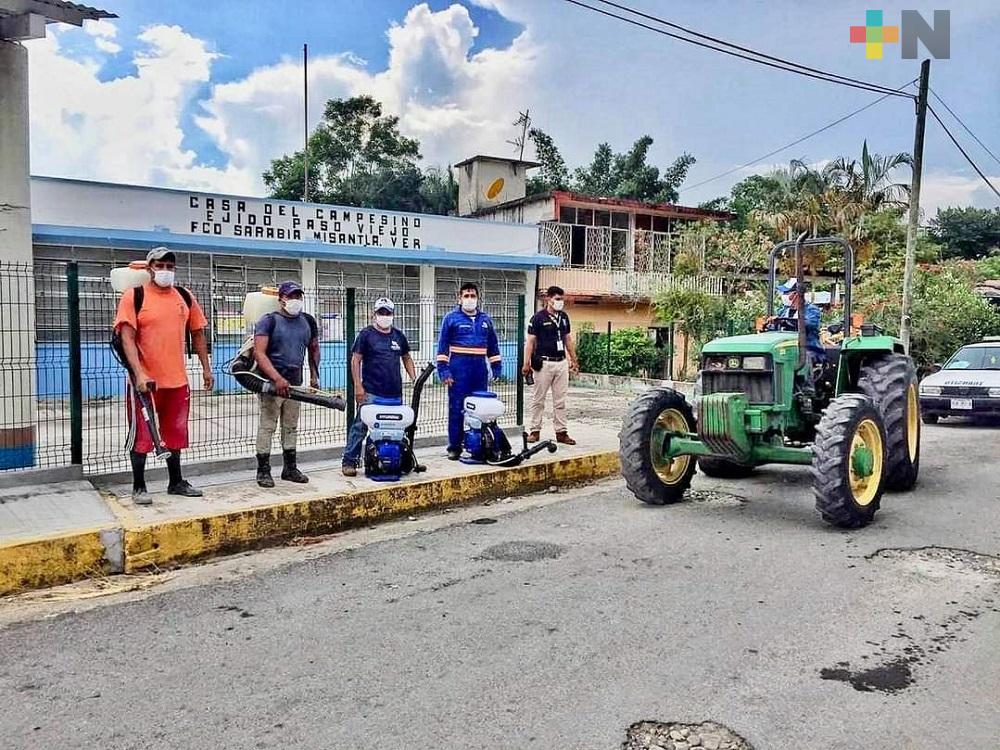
x,y
616,253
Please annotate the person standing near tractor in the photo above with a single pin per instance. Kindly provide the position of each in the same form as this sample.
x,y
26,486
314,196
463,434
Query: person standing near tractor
x,y
549,351
281,341
467,342
153,321
376,356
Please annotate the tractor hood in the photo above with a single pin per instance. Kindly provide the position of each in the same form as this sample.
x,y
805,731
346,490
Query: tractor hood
x,y
754,343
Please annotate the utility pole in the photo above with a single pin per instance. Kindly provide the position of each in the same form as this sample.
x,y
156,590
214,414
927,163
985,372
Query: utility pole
x,y
911,228
305,119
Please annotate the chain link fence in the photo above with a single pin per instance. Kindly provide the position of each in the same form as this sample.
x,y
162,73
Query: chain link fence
x,y
62,396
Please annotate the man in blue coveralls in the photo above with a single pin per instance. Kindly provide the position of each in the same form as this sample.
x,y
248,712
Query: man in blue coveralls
x,y
468,339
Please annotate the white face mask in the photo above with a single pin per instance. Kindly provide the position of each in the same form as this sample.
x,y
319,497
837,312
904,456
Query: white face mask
x,y
469,303
558,304
293,306
383,321
163,278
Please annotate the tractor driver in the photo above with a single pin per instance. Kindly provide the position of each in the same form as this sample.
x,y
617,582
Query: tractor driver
x,y
787,318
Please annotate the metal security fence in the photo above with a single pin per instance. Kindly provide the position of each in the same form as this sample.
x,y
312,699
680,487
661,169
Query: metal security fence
x,y
62,400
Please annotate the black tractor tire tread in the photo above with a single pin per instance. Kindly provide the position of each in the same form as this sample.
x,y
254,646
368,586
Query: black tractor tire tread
x,y
885,381
721,468
831,454
634,454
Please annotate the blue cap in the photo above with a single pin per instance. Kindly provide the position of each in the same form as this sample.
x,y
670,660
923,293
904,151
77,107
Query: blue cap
x,y
789,285
289,287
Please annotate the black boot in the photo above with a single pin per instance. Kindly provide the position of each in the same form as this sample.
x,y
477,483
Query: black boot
x,y
290,472
264,478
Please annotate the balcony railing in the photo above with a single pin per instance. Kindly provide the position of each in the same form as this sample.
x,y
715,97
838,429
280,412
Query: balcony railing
x,y
601,282
615,262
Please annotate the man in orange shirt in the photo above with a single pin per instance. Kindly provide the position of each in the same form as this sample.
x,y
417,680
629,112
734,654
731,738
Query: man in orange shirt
x,y
153,324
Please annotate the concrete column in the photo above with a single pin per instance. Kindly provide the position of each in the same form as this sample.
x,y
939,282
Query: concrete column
x,y
18,414
428,331
309,284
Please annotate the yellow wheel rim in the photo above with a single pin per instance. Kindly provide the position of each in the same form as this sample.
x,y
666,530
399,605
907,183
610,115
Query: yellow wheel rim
x,y
867,440
912,421
669,470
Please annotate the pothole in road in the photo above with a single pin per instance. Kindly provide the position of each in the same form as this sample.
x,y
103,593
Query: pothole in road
x,y
522,551
714,497
673,735
942,562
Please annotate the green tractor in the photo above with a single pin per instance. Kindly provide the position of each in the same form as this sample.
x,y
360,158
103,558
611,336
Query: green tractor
x,y
854,418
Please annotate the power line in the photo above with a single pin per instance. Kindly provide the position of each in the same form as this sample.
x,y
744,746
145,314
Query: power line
x,y
964,153
789,67
966,127
796,142
735,46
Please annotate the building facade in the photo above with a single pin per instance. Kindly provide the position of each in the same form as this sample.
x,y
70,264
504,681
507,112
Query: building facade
x,y
227,246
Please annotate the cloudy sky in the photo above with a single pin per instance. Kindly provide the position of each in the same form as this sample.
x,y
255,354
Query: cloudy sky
x,y
203,94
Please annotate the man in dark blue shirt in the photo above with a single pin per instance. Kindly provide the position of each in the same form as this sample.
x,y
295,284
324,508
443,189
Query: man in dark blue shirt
x,y
281,340
375,358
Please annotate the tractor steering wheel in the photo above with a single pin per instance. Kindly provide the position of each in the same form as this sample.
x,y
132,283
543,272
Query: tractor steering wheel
x,y
779,323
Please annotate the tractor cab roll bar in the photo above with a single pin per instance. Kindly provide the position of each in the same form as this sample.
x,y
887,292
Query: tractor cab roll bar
x,y
799,244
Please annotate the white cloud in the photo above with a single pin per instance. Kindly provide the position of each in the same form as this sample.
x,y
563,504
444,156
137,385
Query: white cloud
x,y
104,32
943,190
127,129
455,103
130,129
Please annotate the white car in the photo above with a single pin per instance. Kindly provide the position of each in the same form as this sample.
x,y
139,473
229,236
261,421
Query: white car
x,y
968,384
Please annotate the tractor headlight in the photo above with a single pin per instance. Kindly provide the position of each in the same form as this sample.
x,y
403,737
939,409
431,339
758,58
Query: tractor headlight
x,y
755,363
994,392
930,390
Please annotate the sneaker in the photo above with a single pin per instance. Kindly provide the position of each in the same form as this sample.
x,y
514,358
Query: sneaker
x,y
184,488
141,497
534,436
454,454
349,470
564,438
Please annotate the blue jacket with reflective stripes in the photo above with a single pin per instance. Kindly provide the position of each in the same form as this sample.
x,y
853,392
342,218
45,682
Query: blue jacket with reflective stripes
x,y
464,335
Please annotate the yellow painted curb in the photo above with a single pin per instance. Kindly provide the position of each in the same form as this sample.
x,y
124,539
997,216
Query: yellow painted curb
x,y
188,539
51,561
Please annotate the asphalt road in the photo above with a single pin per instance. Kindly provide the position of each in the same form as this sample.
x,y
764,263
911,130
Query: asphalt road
x,y
569,618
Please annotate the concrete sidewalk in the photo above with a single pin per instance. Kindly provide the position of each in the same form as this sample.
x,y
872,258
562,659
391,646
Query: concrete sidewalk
x,y
59,533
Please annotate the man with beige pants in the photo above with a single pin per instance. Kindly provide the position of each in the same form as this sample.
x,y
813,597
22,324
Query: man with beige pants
x,y
550,355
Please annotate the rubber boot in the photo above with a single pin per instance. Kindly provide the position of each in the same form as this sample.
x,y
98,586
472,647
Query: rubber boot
x,y
264,478
290,472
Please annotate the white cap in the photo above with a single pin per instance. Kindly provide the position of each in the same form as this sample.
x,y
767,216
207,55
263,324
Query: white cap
x,y
384,303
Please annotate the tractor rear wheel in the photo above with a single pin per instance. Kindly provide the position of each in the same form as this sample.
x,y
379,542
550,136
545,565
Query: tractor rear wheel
x,y
721,468
646,430
849,461
891,383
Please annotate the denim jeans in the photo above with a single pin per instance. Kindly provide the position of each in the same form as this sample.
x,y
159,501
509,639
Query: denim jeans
x,y
356,436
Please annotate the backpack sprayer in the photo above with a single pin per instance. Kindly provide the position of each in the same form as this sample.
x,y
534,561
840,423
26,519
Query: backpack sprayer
x,y
243,366
484,441
391,429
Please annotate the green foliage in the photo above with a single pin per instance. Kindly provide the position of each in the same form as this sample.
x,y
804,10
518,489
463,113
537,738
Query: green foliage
x,y
755,195
358,157
627,175
946,312
989,267
632,352
969,232
553,174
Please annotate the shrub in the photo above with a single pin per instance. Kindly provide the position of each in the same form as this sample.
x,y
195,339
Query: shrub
x,y
632,352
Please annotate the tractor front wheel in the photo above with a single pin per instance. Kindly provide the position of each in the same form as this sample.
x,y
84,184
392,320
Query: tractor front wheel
x,y
647,428
721,468
849,461
891,383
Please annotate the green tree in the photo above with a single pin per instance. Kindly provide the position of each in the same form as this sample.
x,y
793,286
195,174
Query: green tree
x,y
358,157
967,232
697,315
628,175
553,174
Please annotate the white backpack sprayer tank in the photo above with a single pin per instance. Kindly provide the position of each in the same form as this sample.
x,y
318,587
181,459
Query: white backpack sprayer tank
x,y
484,441
386,450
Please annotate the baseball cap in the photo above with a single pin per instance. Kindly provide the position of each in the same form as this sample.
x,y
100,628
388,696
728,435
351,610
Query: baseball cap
x,y
789,285
160,253
289,287
384,303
